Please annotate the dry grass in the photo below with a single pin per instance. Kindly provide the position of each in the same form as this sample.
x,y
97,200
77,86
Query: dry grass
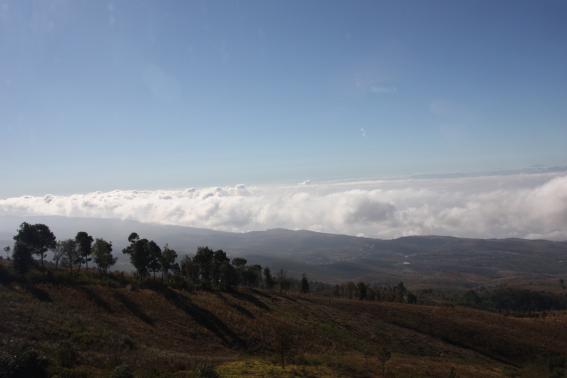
x,y
169,331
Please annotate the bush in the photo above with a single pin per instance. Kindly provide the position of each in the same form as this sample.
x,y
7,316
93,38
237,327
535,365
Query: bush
x,y
556,365
71,373
177,282
23,364
122,371
65,355
514,300
206,370
6,276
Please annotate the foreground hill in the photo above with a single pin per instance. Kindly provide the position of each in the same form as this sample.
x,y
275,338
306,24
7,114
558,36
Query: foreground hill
x,y
244,333
421,261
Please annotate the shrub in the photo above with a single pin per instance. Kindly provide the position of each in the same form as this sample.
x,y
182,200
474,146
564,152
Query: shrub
x,y
5,275
177,282
206,370
65,355
23,364
122,371
556,365
71,373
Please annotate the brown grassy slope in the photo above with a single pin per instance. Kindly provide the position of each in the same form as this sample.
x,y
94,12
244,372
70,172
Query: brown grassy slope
x,y
172,331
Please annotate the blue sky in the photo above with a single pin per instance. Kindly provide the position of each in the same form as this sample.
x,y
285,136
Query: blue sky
x,y
161,94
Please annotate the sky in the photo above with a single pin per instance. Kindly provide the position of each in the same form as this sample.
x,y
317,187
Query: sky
x,y
122,96
101,95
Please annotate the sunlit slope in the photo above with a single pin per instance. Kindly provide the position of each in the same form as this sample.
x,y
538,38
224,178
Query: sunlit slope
x,y
242,332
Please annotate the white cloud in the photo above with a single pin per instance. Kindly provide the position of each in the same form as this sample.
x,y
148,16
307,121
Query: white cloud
x,y
520,205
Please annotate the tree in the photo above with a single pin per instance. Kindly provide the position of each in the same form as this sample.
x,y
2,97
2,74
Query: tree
x,y
154,253
268,279
304,284
228,277
190,270
102,252
70,252
58,254
133,237
22,258
37,238
337,291
411,298
371,295
7,251
362,290
139,254
251,276
84,245
350,288
239,262
257,275
283,281
219,261
168,257
401,292
204,261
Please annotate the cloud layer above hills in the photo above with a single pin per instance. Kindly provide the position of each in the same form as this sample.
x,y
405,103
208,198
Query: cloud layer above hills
x,y
521,205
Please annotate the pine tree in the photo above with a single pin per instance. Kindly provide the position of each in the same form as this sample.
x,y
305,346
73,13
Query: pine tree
x,y
37,238
22,258
84,246
268,279
102,252
304,284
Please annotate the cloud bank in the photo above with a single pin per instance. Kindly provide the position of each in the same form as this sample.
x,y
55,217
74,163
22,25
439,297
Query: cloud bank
x,y
520,205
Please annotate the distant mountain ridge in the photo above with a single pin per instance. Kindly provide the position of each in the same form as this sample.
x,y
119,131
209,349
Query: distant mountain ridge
x,y
422,260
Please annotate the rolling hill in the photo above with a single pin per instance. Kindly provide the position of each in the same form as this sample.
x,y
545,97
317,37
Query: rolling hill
x,y
421,261
89,329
